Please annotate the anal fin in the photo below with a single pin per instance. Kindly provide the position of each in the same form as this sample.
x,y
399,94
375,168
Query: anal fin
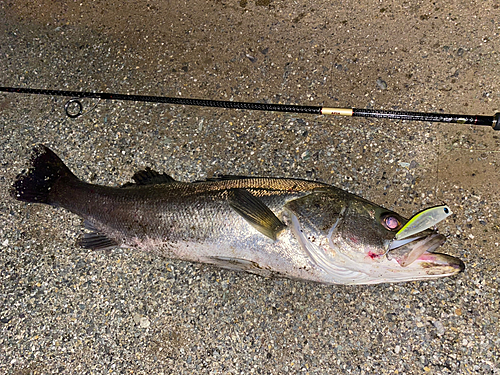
x,y
95,240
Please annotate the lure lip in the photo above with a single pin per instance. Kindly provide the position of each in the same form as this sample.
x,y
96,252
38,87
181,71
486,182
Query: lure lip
x,y
397,243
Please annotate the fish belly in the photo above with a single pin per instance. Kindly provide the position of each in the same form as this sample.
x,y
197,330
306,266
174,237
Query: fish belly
x,y
240,247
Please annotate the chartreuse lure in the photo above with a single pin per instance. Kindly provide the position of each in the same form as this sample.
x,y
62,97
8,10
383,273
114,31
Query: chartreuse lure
x,y
423,220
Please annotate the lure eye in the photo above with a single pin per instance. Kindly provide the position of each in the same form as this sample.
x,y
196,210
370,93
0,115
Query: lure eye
x,y
446,210
391,222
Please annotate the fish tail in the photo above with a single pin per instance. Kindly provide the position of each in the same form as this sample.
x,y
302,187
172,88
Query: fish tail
x,y
37,184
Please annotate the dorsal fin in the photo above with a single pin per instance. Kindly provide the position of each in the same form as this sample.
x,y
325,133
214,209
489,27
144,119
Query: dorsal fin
x,y
149,177
255,212
225,177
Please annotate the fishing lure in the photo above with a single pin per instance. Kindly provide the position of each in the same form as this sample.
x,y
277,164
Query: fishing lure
x,y
423,220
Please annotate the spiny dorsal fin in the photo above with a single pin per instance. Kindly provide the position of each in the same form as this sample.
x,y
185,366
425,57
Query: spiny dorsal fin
x,y
255,212
149,177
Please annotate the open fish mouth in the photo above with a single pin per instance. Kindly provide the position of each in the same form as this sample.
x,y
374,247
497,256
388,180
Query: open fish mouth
x,y
421,245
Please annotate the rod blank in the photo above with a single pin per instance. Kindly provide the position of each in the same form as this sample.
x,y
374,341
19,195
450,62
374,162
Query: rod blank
x,y
493,121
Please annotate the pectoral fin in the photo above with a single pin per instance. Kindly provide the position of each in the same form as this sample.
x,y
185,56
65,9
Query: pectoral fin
x,y
255,212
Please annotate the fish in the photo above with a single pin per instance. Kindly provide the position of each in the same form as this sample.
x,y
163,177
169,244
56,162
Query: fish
x,y
273,227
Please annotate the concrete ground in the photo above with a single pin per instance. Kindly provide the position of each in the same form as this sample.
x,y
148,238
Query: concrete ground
x,y
64,309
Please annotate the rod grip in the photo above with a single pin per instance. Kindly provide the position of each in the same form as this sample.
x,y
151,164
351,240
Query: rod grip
x,y
496,121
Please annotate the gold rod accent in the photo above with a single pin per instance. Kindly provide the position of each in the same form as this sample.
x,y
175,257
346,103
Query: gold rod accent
x,y
336,111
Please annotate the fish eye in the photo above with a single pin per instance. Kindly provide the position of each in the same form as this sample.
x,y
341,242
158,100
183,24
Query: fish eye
x,y
391,222
446,210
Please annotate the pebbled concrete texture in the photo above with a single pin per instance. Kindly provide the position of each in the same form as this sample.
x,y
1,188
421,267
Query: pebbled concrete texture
x,y
68,310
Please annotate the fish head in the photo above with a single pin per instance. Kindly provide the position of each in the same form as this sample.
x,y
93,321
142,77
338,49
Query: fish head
x,y
353,242
365,230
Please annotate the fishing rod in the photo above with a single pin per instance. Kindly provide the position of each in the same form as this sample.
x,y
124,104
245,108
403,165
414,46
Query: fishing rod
x,y
74,107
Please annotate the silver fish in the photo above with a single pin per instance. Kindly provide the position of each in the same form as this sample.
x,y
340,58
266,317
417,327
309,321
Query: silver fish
x,y
268,226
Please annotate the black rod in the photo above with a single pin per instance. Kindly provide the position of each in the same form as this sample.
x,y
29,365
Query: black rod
x,y
493,121
425,116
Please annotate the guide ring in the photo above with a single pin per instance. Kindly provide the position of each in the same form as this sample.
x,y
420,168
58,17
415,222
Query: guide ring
x,y
70,112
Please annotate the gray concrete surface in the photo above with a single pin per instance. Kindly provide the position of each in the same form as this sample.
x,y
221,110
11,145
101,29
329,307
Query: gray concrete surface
x,y
68,310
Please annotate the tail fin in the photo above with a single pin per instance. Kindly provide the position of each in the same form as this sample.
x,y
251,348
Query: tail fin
x,y
36,184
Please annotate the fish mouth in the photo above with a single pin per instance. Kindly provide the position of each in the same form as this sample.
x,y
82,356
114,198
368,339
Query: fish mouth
x,y
418,250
